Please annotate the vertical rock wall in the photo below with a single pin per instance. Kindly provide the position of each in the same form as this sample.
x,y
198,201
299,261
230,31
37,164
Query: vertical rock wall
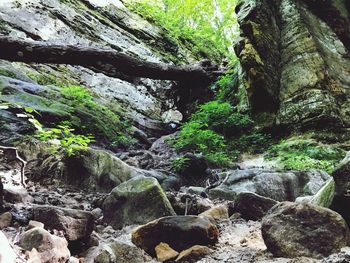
x,y
295,60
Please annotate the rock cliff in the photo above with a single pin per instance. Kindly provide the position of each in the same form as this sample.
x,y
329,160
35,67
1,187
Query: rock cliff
x,y
295,60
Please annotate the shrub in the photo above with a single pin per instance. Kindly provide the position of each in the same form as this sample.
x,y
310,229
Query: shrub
x,y
220,133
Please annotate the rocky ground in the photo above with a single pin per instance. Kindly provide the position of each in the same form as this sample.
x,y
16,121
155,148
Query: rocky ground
x,y
91,238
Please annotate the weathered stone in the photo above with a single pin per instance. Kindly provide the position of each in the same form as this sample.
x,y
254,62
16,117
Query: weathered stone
x,y
5,220
325,195
195,204
193,254
217,213
76,224
137,201
33,224
16,195
277,185
303,90
252,206
114,251
7,255
180,232
164,252
302,229
49,248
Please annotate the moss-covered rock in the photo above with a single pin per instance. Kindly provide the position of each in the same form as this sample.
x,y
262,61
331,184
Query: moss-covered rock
x,y
136,201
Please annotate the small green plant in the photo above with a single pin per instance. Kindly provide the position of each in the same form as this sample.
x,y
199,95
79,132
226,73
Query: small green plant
x,y
302,154
64,139
180,164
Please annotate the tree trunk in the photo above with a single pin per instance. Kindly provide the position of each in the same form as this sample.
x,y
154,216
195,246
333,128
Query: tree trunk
x,y
109,62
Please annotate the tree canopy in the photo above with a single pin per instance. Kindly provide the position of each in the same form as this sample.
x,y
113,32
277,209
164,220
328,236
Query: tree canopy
x,y
207,26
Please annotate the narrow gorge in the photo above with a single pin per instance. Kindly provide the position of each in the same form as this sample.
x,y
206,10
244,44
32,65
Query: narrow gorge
x,y
174,131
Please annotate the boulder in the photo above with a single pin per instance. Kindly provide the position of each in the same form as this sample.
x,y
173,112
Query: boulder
x,y
76,224
115,251
277,185
325,195
252,206
302,229
97,170
195,204
5,220
164,252
44,246
216,213
179,232
193,254
33,224
7,255
14,194
137,201
195,166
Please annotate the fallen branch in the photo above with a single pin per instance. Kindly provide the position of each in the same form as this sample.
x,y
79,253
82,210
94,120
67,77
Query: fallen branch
x,y
7,151
107,61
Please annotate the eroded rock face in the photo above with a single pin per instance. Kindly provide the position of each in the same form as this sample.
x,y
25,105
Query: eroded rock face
x,y
294,56
295,230
179,232
137,201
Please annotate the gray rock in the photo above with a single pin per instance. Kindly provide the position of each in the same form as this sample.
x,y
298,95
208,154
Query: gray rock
x,y
47,247
277,185
5,220
76,224
137,201
16,195
301,229
179,232
252,206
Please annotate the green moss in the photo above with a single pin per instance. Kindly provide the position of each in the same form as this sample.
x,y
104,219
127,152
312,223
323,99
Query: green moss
x,y
7,73
326,194
302,153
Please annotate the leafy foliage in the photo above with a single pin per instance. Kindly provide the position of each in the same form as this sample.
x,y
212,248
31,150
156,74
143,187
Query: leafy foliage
x,y
64,139
301,154
206,27
179,164
220,133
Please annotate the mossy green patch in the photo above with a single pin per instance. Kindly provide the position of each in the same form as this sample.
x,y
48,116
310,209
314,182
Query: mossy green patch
x,y
301,153
7,73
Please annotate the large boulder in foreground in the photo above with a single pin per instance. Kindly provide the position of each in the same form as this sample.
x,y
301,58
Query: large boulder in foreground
x,y
44,247
137,201
76,224
179,232
302,229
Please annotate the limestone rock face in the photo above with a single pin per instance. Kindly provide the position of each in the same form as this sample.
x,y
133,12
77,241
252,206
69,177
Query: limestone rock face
x,y
109,25
137,201
179,232
45,247
301,229
76,224
294,59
